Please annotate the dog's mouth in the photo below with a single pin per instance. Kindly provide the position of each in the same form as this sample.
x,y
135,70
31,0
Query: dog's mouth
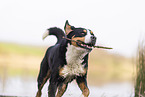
x,y
88,46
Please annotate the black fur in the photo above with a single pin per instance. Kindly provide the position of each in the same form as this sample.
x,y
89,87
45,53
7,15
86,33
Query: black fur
x,y
55,59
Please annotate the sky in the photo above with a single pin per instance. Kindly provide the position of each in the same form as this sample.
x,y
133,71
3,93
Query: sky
x,y
119,24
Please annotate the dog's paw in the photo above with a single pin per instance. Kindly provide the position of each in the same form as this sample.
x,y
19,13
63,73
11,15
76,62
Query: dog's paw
x,y
82,95
38,94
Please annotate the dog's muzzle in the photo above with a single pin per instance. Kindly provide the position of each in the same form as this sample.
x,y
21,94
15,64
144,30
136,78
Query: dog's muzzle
x,y
93,40
89,45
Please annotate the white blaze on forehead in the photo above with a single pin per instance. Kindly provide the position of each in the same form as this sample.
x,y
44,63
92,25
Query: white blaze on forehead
x,y
88,37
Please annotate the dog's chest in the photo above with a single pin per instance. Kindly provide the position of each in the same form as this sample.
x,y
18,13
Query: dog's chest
x,y
74,58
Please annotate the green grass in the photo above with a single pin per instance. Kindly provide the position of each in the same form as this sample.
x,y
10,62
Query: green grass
x,y
25,60
105,67
8,48
140,68
18,59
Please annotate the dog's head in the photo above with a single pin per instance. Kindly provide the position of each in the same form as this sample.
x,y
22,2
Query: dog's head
x,y
85,37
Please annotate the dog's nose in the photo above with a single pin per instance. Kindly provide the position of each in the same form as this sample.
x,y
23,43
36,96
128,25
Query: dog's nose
x,y
93,38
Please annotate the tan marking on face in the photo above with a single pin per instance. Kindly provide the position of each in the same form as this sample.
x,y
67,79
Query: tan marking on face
x,y
77,38
85,31
91,32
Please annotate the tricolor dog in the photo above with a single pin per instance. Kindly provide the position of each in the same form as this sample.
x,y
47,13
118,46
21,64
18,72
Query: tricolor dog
x,y
67,60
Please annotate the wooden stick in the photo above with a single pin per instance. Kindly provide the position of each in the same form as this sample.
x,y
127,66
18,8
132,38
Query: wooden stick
x,y
93,46
103,47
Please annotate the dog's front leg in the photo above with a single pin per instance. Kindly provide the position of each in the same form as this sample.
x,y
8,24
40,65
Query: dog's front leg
x,y
52,89
43,76
61,89
82,83
40,86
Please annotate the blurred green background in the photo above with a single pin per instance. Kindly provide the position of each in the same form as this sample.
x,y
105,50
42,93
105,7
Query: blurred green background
x,y
119,24
24,60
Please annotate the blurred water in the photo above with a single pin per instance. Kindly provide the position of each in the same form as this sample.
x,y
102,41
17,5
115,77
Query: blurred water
x,y
17,86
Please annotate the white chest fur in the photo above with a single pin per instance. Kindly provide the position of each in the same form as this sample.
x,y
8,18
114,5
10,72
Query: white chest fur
x,y
74,58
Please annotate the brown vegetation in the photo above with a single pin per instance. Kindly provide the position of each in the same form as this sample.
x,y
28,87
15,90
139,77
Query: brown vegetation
x,y
25,60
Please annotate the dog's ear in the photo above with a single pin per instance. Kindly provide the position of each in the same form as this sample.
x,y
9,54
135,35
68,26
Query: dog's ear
x,y
67,27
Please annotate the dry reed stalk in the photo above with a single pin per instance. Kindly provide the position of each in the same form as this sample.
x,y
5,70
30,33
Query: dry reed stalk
x,y
140,70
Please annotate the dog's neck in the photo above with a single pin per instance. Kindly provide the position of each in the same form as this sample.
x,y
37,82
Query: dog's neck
x,y
74,61
75,54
